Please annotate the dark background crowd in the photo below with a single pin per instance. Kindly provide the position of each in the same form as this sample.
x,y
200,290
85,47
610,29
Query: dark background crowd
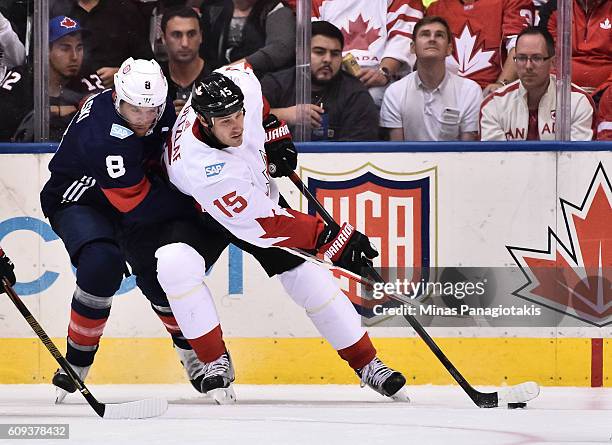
x,y
380,70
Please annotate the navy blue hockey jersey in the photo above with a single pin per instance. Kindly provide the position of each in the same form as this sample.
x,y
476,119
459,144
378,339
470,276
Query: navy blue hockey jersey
x,y
100,162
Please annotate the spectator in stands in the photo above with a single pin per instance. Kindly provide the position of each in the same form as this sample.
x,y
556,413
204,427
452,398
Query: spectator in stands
x,y
591,40
12,51
153,12
182,36
604,94
66,87
341,109
484,37
432,104
377,33
526,109
261,32
116,31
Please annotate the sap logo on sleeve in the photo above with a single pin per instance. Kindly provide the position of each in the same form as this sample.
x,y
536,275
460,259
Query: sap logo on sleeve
x,y
120,132
214,169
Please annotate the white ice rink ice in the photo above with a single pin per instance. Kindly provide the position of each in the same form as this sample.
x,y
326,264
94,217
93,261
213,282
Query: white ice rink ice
x,y
318,414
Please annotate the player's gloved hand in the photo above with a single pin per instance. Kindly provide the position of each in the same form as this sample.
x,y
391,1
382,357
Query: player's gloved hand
x,y
6,270
282,154
347,248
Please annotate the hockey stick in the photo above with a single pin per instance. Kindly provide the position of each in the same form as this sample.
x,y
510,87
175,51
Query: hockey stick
x,y
140,409
511,395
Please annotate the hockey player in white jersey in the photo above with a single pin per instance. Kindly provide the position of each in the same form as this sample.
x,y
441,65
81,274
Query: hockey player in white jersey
x,y
219,153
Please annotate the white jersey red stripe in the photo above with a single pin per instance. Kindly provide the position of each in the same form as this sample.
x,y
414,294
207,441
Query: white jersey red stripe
x,y
372,29
233,184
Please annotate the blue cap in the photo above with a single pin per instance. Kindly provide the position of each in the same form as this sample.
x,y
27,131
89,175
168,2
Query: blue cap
x,y
61,26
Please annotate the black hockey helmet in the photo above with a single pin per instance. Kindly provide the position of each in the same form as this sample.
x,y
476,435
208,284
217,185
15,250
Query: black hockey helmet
x,y
216,95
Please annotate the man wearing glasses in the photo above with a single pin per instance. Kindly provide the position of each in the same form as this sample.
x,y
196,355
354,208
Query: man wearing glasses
x,y
526,108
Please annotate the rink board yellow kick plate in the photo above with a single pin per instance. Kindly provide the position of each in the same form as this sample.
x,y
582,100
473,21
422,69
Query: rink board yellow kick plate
x,y
483,361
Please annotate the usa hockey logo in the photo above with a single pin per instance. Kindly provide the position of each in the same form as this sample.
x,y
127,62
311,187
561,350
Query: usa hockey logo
x,y
396,210
575,278
214,169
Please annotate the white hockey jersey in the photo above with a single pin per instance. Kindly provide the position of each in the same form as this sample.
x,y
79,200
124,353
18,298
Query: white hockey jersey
x,y
233,184
373,29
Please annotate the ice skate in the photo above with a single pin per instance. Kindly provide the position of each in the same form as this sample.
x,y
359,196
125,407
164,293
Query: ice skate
x,y
193,366
64,384
217,379
383,380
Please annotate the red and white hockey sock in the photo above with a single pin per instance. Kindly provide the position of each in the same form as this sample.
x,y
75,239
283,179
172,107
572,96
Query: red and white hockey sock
x,y
87,321
210,346
359,354
181,272
332,313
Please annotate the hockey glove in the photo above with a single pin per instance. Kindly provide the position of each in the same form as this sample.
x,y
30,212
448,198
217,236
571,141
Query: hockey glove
x,y
6,270
282,154
347,248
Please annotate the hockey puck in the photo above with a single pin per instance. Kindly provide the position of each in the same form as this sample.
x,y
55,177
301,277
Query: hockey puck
x,y
517,405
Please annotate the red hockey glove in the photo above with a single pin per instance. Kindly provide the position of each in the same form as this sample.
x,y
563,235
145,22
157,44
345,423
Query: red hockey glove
x,y
282,154
347,248
6,270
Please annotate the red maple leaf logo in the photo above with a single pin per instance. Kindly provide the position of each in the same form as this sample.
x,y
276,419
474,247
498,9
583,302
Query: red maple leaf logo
x,y
575,280
358,36
67,22
290,228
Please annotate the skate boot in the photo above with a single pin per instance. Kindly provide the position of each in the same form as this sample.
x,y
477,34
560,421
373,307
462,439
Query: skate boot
x,y
383,380
217,380
193,366
64,384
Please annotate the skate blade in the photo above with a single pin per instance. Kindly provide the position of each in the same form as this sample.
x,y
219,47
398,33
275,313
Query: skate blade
x,y
401,396
60,395
223,396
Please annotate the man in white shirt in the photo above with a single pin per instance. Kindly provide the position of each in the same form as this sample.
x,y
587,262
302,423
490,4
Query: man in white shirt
x,y
431,104
526,109
219,153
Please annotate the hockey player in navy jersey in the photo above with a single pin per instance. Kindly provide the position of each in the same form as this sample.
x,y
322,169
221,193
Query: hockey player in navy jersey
x,y
106,201
218,153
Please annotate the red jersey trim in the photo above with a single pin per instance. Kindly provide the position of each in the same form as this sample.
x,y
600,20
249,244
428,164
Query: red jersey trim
x,y
404,18
127,199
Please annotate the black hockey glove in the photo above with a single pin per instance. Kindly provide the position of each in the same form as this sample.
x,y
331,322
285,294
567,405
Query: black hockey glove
x,y
347,248
282,154
6,270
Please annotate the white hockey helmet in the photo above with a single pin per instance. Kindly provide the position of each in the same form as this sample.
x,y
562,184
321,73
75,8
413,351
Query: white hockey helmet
x,y
141,83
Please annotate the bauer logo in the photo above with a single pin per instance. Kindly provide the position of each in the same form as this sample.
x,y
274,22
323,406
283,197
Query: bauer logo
x,y
213,170
397,211
574,277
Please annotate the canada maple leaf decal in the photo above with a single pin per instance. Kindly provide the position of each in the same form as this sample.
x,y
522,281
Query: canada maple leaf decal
x,y
575,280
358,35
467,56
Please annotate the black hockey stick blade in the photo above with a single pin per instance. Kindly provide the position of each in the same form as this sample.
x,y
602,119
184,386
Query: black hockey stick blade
x,y
140,409
520,393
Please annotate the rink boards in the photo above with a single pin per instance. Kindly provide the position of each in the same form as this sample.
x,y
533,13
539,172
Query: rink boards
x,y
425,209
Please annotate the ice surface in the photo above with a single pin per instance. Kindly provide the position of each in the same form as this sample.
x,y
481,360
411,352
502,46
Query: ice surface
x,y
318,414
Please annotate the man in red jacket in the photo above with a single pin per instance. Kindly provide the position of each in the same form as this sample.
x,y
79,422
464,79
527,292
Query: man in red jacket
x,y
591,40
